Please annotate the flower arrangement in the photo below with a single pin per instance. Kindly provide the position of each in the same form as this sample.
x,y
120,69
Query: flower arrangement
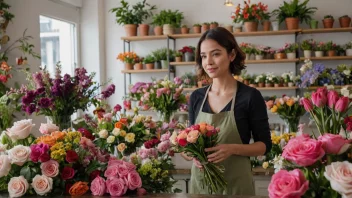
x,y
193,141
188,80
288,77
250,12
61,96
291,47
128,57
319,47
260,78
136,90
247,48
271,78
189,49
260,50
330,46
308,44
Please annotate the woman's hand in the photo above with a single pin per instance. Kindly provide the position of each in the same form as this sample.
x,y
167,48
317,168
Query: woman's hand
x,y
220,152
186,157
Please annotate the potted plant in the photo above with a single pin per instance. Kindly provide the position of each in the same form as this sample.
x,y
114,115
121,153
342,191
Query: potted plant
x,y
170,20
188,80
328,21
307,47
340,50
265,20
250,14
269,79
184,29
128,58
269,53
197,28
138,63
288,78
280,54
348,48
290,49
131,17
214,24
205,27
246,77
6,16
259,52
163,58
275,25
260,80
294,12
149,61
319,49
313,24
330,48
178,56
345,21
248,49
158,24
252,82
188,52
157,58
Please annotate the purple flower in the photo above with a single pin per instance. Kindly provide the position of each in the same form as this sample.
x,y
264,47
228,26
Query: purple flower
x,y
27,100
38,79
40,91
30,109
117,108
177,80
44,102
137,86
108,91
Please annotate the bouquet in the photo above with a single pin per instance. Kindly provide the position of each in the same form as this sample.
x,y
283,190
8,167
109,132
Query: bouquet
x,y
193,141
62,96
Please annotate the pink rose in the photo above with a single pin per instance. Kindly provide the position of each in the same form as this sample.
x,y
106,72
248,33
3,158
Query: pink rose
x,y
130,166
48,128
17,186
333,97
111,171
122,170
50,168
340,176
192,136
134,180
98,187
42,184
164,146
334,144
5,165
86,143
116,186
20,129
19,154
303,151
114,161
285,183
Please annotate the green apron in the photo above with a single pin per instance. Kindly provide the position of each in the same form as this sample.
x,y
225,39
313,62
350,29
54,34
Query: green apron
x,y
238,173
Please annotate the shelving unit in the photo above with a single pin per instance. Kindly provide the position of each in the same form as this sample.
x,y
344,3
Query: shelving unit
x,y
327,58
264,61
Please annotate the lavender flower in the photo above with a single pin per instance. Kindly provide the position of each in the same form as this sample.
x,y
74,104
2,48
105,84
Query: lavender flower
x,y
44,102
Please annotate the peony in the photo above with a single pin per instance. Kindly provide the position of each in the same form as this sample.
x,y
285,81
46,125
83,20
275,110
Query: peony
x,y
192,136
116,186
303,151
164,146
5,165
19,154
17,186
340,176
42,184
20,129
288,184
39,152
98,187
334,144
133,180
50,168
48,128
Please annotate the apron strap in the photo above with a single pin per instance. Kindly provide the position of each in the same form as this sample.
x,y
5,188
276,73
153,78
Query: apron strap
x,y
234,98
205,98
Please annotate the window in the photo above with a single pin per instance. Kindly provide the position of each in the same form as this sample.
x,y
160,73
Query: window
x,y
58,43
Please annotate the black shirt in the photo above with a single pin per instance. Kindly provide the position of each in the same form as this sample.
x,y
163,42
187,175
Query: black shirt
x,y
250,113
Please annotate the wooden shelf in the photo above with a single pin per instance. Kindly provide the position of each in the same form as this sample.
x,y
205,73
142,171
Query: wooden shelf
x,y
246,62
266,33
143,38
326,30
183,63
259,88
329,58
145,71
335,86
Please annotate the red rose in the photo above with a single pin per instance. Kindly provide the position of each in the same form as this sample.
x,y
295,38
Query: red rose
x,y
67,173
71,156
67,187
195,127
182,142
86,133
94,174
44,157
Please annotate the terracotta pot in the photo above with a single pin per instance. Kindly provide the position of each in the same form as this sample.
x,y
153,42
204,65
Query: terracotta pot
x,y
149,65
331,53
158,30
229,28
251,26
280,56
178,58
138,66
143,29
205,28
261,84
269,85
213,25
184,30
292,23
328,23
266,25
131,29
128,66
345,22
285,84
246,82
277,85
197,29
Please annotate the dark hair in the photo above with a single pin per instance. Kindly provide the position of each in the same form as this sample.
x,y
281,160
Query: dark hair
x,y
226,40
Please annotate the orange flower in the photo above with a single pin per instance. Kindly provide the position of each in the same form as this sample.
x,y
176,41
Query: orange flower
x,y
118,125
58,135
79,188
47,139
202,128
5,66
290,102
124,121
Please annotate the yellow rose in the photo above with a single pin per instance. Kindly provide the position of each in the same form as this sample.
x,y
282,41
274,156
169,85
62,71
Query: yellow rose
x,y
265,165
290,102
122,133
274,109
121,147
130,137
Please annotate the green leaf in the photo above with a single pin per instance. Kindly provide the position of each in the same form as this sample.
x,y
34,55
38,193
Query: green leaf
x,y
26,173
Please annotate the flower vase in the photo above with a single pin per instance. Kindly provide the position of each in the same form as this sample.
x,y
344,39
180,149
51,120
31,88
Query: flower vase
x,y
291,124
164,116
63,122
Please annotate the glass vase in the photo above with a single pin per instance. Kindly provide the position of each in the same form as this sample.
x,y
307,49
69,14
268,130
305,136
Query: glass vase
x,y
63,122
291,124
164,116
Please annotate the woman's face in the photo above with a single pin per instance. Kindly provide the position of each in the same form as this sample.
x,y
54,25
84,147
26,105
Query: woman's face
x,y
215,59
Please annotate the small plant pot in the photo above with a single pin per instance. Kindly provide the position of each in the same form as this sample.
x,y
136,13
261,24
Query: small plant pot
x,y
168,29
248,56
277,85
266,25
189,57
345,22
164,64
196,29
261,84
290,84
184,30
319,53
331,53
269,85
328,23
285,84
238,29
313,24
269,56
307,53
143,29
138,66
129,66
157,65
205,28
131,29
275,25
292,23
280,56
348,52
178,58
158,30
251,26
149,65
213,25
259,57
291,55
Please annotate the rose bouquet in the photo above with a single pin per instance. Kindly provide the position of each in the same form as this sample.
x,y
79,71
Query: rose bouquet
x,y
61,96
193,141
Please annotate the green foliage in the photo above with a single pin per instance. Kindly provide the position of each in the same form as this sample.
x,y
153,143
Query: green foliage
x,y
4,7
174,18
295,9
149,59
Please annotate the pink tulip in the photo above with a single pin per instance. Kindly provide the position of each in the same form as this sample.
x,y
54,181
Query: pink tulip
x,y
322,90
308,106
319,99
333,97
334,144
342,104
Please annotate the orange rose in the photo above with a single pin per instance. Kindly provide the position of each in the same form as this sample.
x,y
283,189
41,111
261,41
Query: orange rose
x,y
290,102
124,121
202,128
58,135
79,188
118,125
47,139
210,128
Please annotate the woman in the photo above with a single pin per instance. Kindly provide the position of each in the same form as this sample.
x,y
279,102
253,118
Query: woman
x,y
238,110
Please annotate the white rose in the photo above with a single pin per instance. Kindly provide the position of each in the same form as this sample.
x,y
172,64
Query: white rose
x,y
48,128
147,131
5,165
173,138
20,129
103,134
110,139
3,147
42,184
116,132
339,175
17,186
19,154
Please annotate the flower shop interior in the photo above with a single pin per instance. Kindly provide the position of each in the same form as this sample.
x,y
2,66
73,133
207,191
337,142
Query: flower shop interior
x,y
114,77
